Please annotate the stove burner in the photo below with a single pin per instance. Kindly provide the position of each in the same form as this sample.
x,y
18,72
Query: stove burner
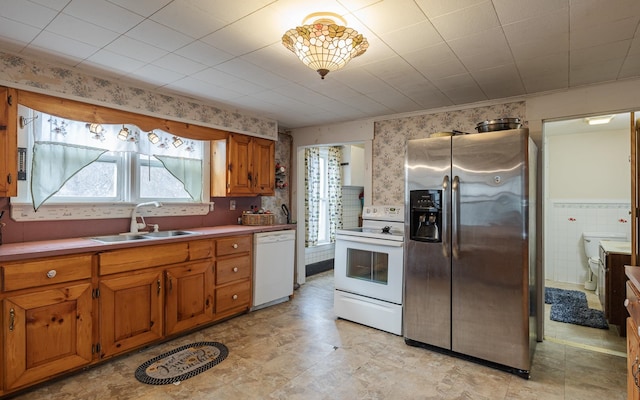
x,y
386,229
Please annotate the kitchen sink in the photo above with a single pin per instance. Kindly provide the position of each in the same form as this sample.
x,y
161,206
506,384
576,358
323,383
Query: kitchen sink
x,y
140,236
118,238
163,234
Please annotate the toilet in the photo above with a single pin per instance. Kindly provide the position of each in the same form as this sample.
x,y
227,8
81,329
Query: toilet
x,y
591,241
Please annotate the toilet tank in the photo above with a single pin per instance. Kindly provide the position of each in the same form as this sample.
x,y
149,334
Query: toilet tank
x,y
592,240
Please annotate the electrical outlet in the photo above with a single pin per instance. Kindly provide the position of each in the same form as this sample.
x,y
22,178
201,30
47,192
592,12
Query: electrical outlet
x,y
232,205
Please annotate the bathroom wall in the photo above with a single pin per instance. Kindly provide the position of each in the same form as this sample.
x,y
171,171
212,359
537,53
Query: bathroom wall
x,y
588,190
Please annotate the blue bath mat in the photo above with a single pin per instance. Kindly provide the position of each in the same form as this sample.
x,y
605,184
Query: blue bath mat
x,y
571,306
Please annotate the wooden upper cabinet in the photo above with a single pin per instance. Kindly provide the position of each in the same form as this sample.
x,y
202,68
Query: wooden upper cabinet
x,y
242,165
8,142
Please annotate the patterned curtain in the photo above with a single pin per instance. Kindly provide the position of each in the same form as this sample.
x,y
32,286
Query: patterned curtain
x,y
334,191
312,198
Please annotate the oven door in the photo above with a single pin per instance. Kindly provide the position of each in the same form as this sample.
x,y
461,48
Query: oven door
x,y
369,267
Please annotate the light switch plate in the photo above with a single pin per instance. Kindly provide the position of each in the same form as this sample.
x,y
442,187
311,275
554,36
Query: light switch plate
x,y
232,205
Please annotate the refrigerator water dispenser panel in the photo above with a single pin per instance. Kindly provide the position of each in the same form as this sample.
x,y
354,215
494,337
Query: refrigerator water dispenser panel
x,y
426,215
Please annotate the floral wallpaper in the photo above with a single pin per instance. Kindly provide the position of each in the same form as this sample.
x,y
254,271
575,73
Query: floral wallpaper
x,y
283,158
70,83
391,135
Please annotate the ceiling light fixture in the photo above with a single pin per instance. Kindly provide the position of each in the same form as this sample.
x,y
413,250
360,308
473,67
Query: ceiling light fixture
x,y
323,45
599,120
177,142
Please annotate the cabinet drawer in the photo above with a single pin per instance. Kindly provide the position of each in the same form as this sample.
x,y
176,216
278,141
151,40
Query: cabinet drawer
x,y
233,269
237,295
199,249
233,245
46,271
112,262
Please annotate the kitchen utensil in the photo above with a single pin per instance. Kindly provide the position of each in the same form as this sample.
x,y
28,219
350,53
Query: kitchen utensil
x,y
285,210
498,124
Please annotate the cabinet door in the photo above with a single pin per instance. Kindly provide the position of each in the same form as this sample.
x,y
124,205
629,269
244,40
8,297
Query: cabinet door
x,y
189,296
239,163
130,312
8,142
633,361
264,166
46,333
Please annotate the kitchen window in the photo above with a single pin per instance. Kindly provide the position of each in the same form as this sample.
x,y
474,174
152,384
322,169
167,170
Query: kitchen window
x,y
80,162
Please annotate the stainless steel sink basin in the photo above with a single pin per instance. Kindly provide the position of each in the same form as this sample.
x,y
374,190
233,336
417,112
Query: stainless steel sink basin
x,y
164,234
118,238
140,236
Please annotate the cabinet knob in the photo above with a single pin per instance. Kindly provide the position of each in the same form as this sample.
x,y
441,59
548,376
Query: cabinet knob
x,y
235,269
235,245
626,302
52,274
235,297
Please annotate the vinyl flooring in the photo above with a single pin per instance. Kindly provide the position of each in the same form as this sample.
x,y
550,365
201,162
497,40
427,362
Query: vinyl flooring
x,y
299,350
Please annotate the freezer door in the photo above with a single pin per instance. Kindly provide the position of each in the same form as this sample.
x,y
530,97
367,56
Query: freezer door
x,y
490,305
427,291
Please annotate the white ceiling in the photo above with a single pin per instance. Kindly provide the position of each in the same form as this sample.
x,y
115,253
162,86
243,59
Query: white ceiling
x,y
423,54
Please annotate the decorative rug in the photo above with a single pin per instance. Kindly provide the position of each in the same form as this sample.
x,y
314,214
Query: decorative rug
x,y
181,363
571,306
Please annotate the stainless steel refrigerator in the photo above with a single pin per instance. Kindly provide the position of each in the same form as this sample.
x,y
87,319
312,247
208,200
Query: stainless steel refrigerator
x,y
470,276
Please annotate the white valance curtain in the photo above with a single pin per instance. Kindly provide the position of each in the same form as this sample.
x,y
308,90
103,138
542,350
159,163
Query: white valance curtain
x,y
62,148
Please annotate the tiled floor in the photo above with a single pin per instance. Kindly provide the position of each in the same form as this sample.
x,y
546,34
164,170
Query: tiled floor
x,y
298,350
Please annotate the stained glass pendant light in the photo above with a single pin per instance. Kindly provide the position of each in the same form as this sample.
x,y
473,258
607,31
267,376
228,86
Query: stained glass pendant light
x,y
322,44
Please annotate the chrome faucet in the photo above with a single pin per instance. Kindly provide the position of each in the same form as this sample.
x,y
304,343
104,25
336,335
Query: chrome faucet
x,y
135,226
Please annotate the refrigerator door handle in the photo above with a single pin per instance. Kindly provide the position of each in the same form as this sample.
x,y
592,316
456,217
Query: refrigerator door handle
x,y
445,215
455,217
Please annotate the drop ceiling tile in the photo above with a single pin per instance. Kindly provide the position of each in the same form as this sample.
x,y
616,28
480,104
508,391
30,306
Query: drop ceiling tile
x,y
599,53
500,82
443,70
631,67
203,53
433,55
135,49
462,95
589,13
252,73
189,18
545,83
635,46
68,26
546,65
158,35
204,90
510,11
106,60
541,48
142,7
436,8
104,14
455,82
174,62
603,71
57,5
27,12
394,100
20,34
225,10
604,33
486,42
539,28
214,76
469,21
389,16
156,75
53,43
412,38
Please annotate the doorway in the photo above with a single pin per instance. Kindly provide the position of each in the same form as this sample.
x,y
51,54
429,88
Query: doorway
x,y
586,175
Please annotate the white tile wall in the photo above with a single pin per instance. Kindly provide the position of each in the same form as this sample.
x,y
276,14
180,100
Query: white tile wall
x,y
565,260
318,253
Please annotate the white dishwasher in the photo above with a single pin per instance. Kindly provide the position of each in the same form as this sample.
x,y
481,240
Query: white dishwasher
x,y
273,262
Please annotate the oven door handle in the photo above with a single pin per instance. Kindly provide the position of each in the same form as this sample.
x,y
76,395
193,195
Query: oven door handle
x,y
380,242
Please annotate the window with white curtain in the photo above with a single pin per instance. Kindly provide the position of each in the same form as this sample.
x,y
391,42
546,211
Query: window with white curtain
x,y
80,162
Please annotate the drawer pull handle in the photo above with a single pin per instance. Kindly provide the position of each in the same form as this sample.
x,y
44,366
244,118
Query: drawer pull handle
x,y
235,269
12,319
52,274
235,245
235,297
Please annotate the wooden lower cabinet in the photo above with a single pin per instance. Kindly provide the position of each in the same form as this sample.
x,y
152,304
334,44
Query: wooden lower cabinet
x,y
633,361
46,333
189,296
131,311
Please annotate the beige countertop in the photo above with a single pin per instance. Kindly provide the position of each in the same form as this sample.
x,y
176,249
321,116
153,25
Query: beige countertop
x,y
612,246
48,248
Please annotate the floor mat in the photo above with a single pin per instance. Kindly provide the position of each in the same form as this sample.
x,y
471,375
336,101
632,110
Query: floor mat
x,y
571,306
181,363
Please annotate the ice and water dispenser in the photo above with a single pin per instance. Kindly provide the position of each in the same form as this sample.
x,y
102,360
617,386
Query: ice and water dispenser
x,y
426,215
